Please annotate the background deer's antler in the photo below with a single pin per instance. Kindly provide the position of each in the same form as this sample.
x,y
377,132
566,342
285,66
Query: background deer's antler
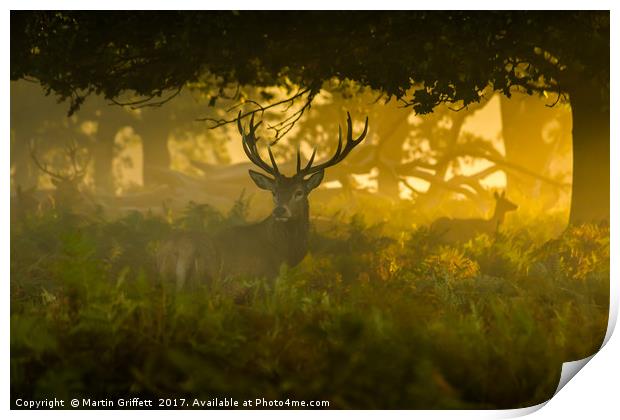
x,y
77,170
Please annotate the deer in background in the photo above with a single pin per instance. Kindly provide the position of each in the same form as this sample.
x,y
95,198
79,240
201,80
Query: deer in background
x,y
67,195
461,230
258,249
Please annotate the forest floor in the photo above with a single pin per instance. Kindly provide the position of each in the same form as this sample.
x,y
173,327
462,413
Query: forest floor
x,y
378,315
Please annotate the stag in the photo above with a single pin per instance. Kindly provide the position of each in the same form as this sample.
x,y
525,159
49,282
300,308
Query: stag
x,y
257,249
461,230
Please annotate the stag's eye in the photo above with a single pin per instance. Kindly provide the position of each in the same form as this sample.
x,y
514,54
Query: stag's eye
x,y
299,194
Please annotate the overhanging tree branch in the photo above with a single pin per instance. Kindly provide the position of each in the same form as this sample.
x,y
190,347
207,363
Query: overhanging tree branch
x,y
146,102
281,128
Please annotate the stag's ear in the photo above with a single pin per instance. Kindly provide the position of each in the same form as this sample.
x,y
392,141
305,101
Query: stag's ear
x,y
496,195
262,181
314,181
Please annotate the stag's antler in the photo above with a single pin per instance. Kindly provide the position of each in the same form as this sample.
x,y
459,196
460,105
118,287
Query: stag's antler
x,y
340,152
249,141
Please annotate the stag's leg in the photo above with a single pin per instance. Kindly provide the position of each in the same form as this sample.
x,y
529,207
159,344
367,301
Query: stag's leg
x,y
174,259
181,271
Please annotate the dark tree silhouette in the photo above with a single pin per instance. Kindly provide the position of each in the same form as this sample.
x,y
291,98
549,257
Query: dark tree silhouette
x,y
422,58
527,124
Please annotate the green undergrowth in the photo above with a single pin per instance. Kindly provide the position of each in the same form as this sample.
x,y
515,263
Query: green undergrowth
x,y
374,317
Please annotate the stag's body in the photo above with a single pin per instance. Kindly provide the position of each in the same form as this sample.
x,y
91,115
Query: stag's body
x,y
260,249
253,250
461,230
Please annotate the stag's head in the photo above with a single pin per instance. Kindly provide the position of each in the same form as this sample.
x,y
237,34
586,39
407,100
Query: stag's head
x,y
503,205
290,193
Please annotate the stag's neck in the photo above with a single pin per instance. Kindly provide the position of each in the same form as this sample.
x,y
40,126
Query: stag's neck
x,y
497,219
290,238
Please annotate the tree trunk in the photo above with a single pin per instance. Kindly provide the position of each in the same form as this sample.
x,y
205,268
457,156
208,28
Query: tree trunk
x,y
436,193
523,120
103,155
388,184
590,195
25,174
155,153
392,136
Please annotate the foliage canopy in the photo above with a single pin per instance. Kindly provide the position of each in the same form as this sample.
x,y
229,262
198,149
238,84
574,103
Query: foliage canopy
x,y
423,58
